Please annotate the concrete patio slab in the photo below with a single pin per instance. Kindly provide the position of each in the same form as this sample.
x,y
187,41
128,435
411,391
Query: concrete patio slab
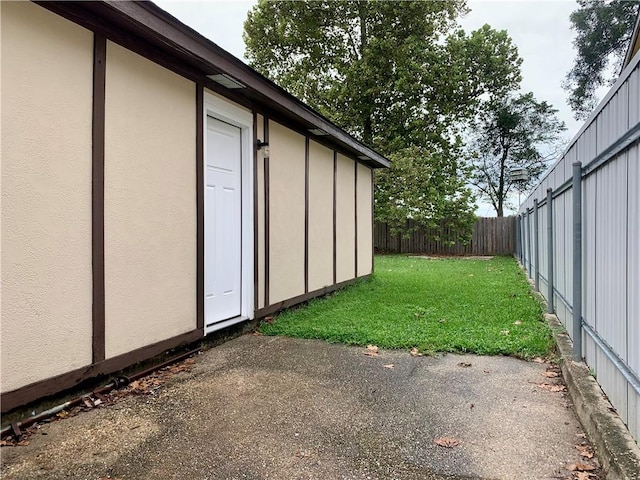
x,y
276,408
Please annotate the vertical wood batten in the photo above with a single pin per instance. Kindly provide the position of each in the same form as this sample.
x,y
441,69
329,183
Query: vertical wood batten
x,y
335,225
97,193
266,214
306,214
200,206
373,247
355,219
255,211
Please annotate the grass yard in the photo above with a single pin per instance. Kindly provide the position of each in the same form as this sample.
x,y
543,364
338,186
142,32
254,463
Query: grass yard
x,y
437,305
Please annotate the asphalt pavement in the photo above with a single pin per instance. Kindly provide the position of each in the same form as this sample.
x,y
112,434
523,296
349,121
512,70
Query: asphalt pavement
x,y
261,407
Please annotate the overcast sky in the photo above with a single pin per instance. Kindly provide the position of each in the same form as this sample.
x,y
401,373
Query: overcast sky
x,y
540,29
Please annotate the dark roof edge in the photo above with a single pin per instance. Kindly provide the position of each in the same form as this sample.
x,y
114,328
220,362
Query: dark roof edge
x,y
634,39
181,38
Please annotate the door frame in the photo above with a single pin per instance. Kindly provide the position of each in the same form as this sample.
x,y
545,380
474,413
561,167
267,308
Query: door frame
x,y
228,112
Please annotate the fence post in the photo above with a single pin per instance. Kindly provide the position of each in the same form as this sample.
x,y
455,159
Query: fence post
x,y
577,261
550,249
536,241
529,243
517,252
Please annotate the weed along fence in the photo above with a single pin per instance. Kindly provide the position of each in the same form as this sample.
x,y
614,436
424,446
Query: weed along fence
x,y
578,237
491,236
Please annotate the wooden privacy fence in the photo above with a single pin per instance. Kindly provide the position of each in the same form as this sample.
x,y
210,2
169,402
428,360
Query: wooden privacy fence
x,y
491,236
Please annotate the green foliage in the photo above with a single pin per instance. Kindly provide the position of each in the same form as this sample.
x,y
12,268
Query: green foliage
x,y
511,132
603,30
445,305
396,75
418,178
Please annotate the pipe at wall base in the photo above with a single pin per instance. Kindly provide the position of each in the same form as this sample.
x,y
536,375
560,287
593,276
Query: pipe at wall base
x,y
118,382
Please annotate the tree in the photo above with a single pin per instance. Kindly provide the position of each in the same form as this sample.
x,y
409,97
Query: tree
x,y
603,31
396,75
384,71
512,132
419,177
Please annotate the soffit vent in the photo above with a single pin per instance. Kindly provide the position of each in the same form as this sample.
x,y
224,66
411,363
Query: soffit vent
x,y
226,81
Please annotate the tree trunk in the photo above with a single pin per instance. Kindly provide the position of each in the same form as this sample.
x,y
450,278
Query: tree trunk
x,y
501,182
367,123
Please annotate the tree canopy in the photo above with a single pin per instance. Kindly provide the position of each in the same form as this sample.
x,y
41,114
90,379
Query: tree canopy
x,y
393,74
603,30
516,131
400,76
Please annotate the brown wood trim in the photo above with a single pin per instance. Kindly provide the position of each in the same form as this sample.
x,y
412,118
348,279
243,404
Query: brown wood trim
x,y
335,217
324,140
266,213
355,211
371,171
255,210
276,307
97,198
306,215
57,384
200,206
142,25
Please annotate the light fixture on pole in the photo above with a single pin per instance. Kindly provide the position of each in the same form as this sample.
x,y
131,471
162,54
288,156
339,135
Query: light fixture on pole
x,y
519,175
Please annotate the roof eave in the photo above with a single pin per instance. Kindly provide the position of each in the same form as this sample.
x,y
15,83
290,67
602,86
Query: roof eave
x,y
635,42
181,40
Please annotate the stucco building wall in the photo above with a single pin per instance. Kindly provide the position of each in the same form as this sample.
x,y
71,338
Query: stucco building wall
x,y
150,203
47,78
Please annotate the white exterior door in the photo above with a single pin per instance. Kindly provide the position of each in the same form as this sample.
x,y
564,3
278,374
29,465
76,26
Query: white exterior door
x,y
223,222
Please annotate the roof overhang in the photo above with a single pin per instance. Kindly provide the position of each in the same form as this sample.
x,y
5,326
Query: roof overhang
x,y
148,30
634,44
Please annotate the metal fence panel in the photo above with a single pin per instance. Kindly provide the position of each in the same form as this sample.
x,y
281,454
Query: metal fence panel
x,y
611,249
589,264
608,147
633,260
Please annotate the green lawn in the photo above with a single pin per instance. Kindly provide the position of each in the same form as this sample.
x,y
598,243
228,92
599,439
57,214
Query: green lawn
x,y
437,305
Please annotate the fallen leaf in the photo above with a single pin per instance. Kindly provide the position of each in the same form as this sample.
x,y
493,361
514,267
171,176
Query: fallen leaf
x,y
5,443
447,442
23,443
585,451
537,360
464,364
552,388
581,467
415,353
442,320
517,322
583,475
504,332
372,351
550,374
391,365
